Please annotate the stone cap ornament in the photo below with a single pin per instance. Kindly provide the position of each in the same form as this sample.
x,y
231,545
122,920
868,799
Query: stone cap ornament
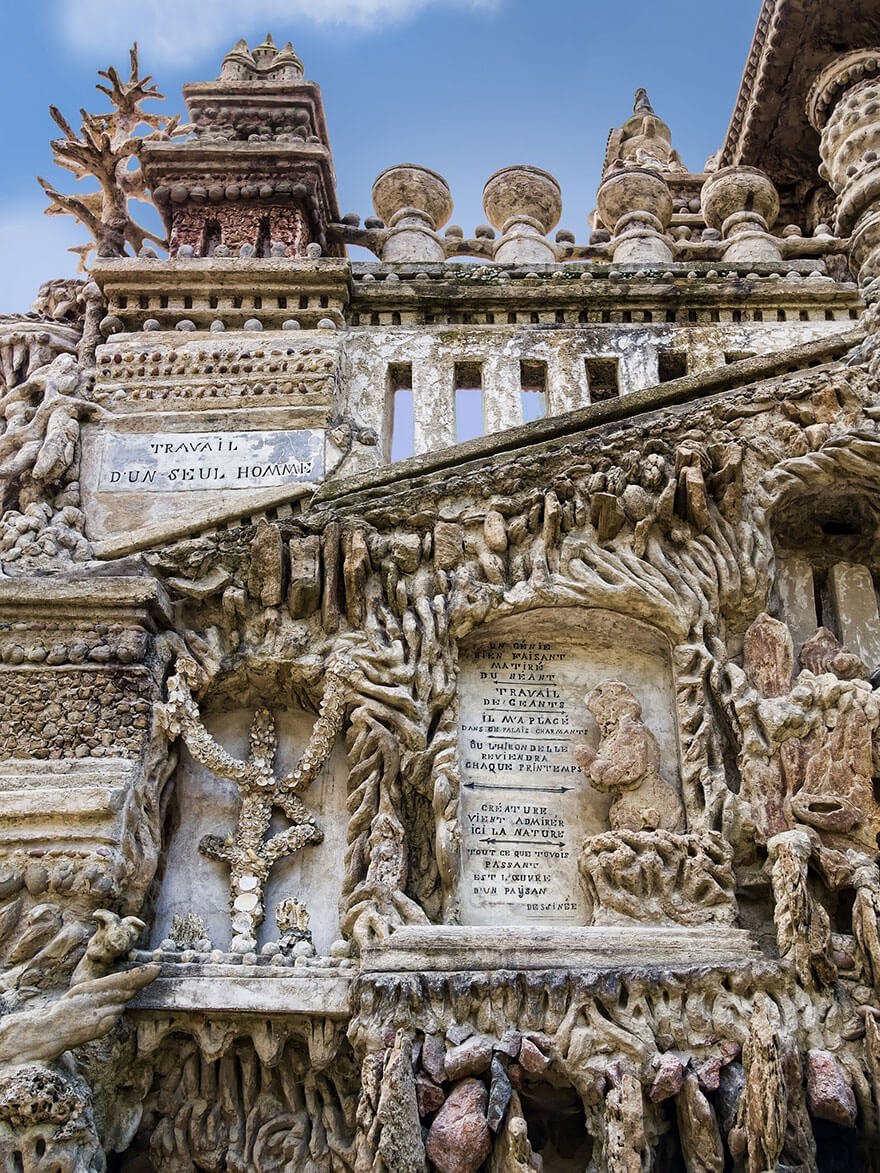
x,y
732,190
635,204
743,204
522,194
524,204
408,187
414,202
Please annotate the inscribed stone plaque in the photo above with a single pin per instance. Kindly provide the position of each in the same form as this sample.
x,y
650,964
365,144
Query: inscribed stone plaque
x,y
526,807
176,461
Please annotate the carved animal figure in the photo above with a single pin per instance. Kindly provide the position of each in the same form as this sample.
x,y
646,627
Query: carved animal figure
x,y
112,940
627,764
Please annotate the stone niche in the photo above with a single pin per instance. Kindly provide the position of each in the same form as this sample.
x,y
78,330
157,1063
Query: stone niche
x,y
525,804
205,804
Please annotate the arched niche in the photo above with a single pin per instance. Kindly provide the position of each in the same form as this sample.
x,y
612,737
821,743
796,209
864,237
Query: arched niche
x,y
206,804
526,806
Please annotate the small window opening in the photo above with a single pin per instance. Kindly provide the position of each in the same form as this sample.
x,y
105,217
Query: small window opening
x,y
303,301
825,613
469,419
603,378
804,316
758,316
211,237
264,238
533,390
737,315
400,417
780,315
282,303
671,364
829,315
670,315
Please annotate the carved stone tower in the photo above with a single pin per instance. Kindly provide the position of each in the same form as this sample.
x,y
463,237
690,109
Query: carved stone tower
x,y
257,178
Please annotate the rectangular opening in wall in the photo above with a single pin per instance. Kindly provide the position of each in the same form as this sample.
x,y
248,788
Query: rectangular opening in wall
x,y
533,389
469,419
671,364
603,378
399,416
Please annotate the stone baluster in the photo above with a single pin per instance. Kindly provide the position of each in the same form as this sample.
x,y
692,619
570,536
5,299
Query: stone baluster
x,y
742,203
414,203
844,107
523,204
634,204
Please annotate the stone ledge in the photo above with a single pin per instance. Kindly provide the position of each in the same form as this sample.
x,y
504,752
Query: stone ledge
x,y
484,947
288,993
68,596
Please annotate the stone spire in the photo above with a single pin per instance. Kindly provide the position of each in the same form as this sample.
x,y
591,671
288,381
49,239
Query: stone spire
x,y
264,63
644,140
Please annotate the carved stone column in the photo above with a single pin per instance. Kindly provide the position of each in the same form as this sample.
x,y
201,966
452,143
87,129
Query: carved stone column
x,y
844,107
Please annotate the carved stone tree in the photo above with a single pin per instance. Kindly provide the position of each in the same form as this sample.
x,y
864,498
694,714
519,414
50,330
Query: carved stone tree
x,y
106,149
248,852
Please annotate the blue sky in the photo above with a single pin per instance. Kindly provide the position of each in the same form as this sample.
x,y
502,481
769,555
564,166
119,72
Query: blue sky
x,y
461,86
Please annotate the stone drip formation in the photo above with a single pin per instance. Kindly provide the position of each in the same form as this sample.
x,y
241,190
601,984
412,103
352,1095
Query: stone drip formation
x,y
510,804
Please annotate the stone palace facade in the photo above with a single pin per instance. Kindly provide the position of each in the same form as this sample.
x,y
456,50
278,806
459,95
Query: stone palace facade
x,y
509,806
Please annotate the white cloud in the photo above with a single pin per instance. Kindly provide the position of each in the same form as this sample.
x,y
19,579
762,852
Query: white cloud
x,y
33,249
178,32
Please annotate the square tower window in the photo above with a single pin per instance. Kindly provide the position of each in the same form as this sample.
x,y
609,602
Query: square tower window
x,y
533,389
603,378
399,440
469,417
